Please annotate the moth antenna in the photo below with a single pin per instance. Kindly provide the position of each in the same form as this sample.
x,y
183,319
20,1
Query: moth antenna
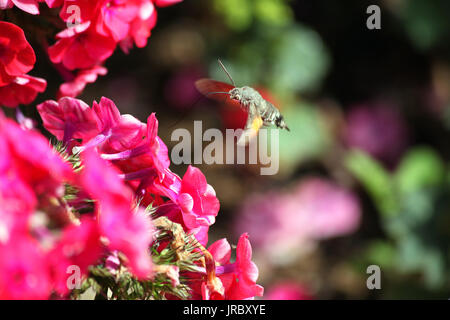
x,y
226,71
217,92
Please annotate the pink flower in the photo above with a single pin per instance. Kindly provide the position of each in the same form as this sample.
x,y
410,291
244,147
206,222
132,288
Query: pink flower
x,y
378,129
30,173
127,231
68,118
332,210
100,126
116,16
33,160
24,270
30,6
117,132
21,90
287,291
16,55
112,263
195,198
140,27
75,87
81,47
238,279
137,150
78,246
285,224
122,138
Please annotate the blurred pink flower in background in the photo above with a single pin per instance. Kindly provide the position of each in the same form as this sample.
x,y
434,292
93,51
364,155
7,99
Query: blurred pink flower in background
x,y
287,291
377,129
283,225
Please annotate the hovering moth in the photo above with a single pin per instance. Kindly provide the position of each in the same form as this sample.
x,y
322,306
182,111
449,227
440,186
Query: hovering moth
x,y
260,111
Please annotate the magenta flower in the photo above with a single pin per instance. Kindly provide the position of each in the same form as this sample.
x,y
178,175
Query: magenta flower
x,y
135,149
195,198
80,246
30,173
116,132
101,125
24,269
68,118
237,279
32,159
115,18
377,129
140,27
133,145
127,230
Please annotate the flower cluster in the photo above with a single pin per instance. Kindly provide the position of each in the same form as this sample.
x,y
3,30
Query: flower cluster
x,y
101,204
94,29
41,232
87,206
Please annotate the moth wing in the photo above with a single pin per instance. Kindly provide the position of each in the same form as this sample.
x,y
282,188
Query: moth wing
x,y
254,123
207,86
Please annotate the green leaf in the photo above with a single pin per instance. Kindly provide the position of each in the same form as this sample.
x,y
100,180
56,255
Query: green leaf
x,y
307,139
237,13
420,168
300,60
426,21
381,253
375,179
273,12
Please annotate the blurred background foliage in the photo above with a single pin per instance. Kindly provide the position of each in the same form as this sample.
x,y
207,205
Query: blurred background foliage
x,y
369,113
